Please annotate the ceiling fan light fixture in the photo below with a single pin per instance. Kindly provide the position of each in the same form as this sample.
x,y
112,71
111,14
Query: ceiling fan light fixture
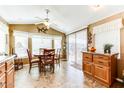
x,y
44,26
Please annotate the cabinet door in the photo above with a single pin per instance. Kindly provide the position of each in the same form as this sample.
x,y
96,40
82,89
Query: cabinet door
x,y
87,67
10,79
102,73
87,57
9,64
2,80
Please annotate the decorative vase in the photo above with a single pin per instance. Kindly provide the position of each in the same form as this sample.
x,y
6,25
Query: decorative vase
x,y
92,49
107,51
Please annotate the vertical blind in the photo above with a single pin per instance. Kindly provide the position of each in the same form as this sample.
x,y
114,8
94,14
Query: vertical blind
x,y
57,44
108,33
3,38
21,43
38,41
71,48
81,45
45,41
77,43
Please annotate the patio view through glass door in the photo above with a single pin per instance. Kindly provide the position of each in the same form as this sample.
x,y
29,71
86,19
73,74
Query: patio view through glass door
x,y
81,45
77,44
72,49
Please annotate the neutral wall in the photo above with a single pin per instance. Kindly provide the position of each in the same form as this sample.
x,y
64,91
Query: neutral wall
x,y
32,28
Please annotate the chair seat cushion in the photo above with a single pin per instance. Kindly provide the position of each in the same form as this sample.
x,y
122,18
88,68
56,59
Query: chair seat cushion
x,y
35,60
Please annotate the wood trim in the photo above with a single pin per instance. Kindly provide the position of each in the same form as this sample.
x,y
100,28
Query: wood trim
x,y
121,63
107,19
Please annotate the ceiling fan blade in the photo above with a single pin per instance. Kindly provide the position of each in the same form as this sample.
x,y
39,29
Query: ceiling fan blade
x,y
39,22
53,24
39,18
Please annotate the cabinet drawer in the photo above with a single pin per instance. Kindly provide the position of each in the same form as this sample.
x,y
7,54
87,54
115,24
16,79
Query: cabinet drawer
x,y
9,64
101,62
2,80
10,78
87,57
101,73
2,69
101,57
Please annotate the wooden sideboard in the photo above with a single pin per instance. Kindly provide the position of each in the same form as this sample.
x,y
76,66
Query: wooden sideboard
x,y
100,67
6,71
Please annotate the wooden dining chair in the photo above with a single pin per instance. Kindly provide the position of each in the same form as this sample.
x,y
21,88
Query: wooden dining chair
x,y
32,62
57,57
49,55
18,61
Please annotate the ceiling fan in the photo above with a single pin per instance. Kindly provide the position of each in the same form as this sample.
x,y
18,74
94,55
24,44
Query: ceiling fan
x,y
43,25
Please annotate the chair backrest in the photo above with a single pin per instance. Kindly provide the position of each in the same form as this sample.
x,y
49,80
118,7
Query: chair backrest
x,y
59,52
29,55
49,54
49,51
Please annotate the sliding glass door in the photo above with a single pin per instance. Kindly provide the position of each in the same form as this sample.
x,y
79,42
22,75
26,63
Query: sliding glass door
x,y
77,43
81,45
72,50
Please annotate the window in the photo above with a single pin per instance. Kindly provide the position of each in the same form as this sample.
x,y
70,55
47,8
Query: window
x,y
46,43
2,42
36,45
40,42
81,45
72,48
3,38
57,43
77,43
21,43
108,33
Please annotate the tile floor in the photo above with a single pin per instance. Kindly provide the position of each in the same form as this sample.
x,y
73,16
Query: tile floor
x,y
65,76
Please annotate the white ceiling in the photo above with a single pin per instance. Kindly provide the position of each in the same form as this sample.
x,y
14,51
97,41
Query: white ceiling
x,y
65,18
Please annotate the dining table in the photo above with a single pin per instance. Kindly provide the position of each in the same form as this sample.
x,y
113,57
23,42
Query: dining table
x,y
40,57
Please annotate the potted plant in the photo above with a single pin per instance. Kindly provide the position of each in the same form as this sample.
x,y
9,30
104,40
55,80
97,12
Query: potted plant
x,y
107,48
